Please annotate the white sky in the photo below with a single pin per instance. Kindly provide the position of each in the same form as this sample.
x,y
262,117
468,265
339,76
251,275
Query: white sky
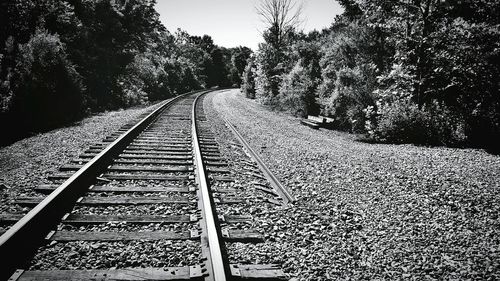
x,y
233,23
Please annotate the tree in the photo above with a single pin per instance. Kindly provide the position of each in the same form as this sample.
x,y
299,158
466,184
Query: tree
x,y
239,60
60,59
296,91
248,79
450,49
218,72
48,89
307,53
280,17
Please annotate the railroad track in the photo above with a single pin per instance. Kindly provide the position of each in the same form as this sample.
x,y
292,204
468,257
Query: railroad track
x,y
156,188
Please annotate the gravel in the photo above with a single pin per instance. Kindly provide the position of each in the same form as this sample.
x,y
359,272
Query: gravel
x,y
369,211
97,255
246,177
189,196
27,163
51,150
156,209
144,183
124,226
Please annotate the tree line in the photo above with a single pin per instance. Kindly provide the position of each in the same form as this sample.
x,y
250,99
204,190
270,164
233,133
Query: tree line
x,y
403,71
61,60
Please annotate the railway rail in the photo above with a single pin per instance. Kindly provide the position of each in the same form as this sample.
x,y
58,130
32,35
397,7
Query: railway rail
x,y
154,183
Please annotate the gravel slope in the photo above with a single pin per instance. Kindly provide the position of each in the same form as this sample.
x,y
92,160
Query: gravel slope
x,y
26,163
374,211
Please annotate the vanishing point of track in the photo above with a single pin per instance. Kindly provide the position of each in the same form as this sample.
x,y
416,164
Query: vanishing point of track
x,y
174,157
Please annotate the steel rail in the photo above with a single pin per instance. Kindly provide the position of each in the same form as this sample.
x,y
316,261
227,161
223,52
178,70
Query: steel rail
x,y
275,183
216,262
21,240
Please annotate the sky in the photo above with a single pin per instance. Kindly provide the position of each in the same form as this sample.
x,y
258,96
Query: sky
x,y
233,23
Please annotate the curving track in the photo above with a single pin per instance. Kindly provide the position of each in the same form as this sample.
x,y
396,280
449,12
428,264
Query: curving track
x,y
150,192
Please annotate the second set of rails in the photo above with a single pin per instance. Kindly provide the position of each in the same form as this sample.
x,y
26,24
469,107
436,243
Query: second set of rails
x,y
156,185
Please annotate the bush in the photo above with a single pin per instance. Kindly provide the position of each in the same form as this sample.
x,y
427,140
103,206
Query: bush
x,y
263,88
295,91
348,95
132,91
48,89
404,122
147,69
483,129
248,80
271,66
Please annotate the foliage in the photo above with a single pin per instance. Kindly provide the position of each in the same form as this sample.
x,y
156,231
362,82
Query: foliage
x,y
281,18
239,60
352,93
399,71
450,50
48,89
307,54
98,55
296,91
248,79
403,121
148,73
352,59
264,87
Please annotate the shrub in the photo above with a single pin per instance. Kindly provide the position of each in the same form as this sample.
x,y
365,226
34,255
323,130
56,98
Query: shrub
x,y
263,88
272,64
483,128
348,95
404,122
147,69
400,122
48,89
295,91
132,91
248,78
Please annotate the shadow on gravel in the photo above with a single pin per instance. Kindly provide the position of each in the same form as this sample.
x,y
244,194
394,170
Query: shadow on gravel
x,y
17,132
493,149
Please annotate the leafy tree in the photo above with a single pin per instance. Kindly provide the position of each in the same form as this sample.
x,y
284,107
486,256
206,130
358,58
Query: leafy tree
x,y
269,70
307,53
248,79
19,19
449,49
349,71
296,91
48,89
281,18
218,75
106,55
422,71
239,59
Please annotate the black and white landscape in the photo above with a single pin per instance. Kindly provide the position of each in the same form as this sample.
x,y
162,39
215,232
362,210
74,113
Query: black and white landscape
x,y
253,140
